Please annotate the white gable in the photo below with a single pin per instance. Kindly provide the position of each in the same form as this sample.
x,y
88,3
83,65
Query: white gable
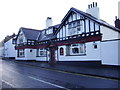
x,y
75,24
21,38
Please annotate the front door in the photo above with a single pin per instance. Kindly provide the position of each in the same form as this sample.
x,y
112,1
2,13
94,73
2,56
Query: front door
x,y
52,55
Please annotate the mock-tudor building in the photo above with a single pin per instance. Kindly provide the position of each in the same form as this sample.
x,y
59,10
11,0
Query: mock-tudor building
x,y
80,37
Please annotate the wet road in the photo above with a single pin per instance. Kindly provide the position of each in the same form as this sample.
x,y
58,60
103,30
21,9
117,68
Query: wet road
x,y
17,75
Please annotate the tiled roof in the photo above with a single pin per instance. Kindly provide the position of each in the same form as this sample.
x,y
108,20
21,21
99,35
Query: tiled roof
x,y
31,34
95,19
38,35
47,37
7,38
101,22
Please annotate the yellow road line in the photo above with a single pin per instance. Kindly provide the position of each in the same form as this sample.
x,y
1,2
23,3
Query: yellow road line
x,y
61,71
78,74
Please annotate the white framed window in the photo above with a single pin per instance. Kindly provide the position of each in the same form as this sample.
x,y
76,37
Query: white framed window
x,y
75,49
75,27
41,52
21,53
49,31
20,40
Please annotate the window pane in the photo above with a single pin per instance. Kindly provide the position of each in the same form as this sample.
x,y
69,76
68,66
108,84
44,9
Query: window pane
x,y
41,52
69,25
68,50
75,50
81,48
21,53
78,23
74,24
61,51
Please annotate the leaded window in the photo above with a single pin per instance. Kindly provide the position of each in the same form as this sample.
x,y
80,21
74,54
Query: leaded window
x,y
21,53
41,52
75,49
75,27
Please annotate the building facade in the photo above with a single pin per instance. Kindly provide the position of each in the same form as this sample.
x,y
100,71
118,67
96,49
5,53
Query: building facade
x,y
9,47
1,49
80,37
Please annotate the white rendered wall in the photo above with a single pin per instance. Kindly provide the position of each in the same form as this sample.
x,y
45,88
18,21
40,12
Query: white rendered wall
x,y
9,49
41,59
109,34
110,52
1,51
28,55
91,54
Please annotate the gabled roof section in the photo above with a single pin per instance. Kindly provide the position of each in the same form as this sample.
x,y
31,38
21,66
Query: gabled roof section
x,y
37,35
86,15
44,36
31,34
7,38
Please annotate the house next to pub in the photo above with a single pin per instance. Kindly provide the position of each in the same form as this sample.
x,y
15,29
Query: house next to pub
x,y
80,37
9,47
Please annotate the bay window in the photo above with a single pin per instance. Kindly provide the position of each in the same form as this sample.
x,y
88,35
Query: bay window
x,y
75,49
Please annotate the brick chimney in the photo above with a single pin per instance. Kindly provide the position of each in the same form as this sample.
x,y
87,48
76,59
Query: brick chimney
x,y
93,10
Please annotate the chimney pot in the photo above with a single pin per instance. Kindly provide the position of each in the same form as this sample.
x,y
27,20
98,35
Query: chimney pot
x,y
93,10
96,4
93,4
49,18
88,6
116,17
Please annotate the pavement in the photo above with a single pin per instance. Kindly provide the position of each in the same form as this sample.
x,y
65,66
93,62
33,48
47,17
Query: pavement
x,y
110,72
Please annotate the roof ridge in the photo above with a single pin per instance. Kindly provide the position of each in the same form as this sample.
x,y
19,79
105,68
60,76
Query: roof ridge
x,y
23,28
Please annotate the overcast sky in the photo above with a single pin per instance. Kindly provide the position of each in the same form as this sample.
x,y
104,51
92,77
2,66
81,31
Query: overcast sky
x,y
33,13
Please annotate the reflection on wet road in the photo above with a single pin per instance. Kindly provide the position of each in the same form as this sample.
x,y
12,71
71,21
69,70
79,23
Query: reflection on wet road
x,y
16,75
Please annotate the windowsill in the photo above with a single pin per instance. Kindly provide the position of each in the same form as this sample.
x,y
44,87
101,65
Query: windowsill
x,y
40,56
61,55
77,55
21,56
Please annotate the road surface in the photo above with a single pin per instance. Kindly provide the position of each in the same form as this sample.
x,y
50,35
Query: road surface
x,y
18,75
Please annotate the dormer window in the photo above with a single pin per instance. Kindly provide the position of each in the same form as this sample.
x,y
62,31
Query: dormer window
x,y
49,31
